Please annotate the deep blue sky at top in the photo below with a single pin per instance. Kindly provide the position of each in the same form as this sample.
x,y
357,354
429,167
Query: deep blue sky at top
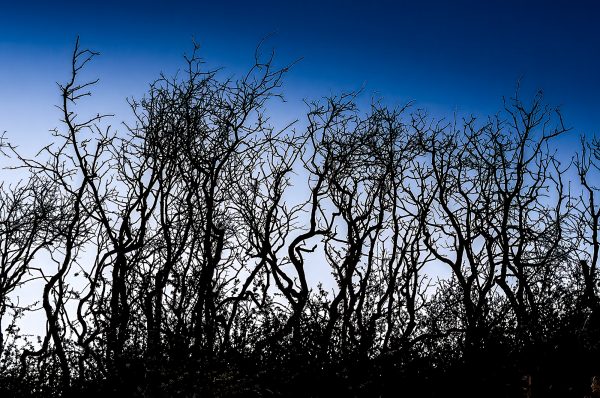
x,y
446,55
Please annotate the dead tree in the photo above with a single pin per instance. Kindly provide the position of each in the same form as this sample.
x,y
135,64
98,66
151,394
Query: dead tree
x,y
497,216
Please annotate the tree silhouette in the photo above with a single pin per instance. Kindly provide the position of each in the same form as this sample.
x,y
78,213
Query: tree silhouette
x,y
178,256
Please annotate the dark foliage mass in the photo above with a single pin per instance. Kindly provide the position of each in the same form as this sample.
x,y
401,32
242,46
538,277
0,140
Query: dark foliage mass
x,y
181,255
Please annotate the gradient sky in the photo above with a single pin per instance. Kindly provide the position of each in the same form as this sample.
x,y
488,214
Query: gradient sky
x,y
446,55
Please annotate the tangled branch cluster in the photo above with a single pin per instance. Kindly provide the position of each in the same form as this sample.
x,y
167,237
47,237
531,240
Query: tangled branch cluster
x,y
182,256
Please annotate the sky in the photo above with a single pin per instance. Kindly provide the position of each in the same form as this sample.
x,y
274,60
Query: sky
x,y
447,56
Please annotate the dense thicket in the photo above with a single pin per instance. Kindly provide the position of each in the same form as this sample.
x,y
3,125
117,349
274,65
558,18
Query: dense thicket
x,y
182,255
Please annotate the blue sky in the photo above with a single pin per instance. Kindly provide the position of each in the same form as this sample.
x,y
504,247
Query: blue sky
x,y
446,55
